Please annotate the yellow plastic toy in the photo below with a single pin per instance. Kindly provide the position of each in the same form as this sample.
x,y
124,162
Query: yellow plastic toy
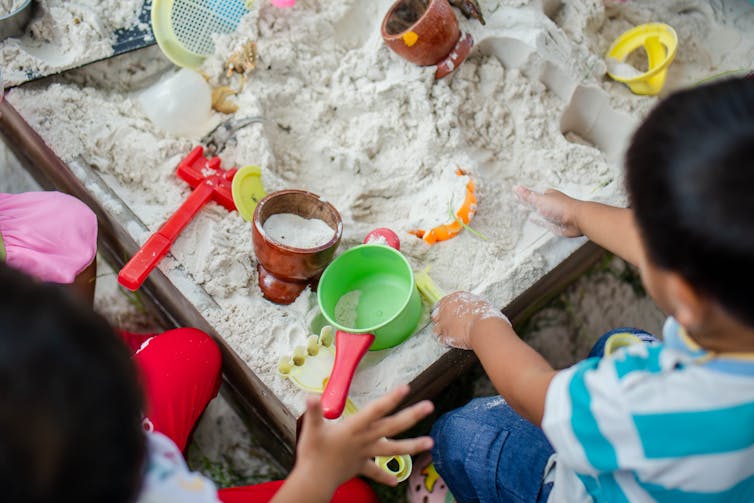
x,y
660,41
427,287
309,368
184,28
247,190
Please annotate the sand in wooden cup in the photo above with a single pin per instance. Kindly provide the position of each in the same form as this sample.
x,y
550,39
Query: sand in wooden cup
x,y
295,236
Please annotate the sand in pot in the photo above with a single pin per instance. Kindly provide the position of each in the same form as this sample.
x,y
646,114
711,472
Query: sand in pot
x,y
295,231
346,310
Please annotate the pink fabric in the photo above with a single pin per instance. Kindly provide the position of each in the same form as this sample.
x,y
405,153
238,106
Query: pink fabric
x,y
49,235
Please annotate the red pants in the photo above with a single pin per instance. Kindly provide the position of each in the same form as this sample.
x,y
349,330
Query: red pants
x,y
180,370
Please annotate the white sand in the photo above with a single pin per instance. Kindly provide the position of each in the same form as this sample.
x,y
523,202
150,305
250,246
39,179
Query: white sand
x,y
347,308
622,69
64,35
296,231
381,140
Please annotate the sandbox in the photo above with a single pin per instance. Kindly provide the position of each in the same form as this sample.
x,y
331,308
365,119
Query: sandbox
x,y
381,140
61,35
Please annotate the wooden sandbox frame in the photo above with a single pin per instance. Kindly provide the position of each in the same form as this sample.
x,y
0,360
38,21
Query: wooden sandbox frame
x,y
262,411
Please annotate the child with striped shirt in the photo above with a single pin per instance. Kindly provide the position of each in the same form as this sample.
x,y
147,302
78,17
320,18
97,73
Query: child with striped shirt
x,y
670,421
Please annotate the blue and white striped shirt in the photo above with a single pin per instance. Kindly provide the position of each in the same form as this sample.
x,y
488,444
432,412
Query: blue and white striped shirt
x,y
668,422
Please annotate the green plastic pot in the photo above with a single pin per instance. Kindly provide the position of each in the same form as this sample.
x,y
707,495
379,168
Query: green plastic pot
x,y
387,313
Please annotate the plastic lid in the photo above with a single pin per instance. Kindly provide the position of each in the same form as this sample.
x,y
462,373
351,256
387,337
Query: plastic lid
x,y
248,190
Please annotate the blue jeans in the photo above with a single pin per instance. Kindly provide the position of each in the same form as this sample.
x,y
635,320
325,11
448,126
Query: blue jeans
x,y
486,452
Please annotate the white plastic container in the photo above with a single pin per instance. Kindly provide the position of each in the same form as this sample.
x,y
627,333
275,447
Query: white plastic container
x,y
179,103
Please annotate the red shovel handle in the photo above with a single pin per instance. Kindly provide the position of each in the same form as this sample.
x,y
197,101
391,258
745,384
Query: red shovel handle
x,y
141,264
349,350
149,255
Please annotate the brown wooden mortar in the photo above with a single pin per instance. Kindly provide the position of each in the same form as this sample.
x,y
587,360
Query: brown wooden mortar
x,y
286,270
437,31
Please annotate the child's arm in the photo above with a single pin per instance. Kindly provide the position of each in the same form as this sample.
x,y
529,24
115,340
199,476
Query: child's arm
x,y
329,454
610,227
519,373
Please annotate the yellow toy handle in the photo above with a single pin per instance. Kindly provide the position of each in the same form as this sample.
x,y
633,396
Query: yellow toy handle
x,y
427,286
656,55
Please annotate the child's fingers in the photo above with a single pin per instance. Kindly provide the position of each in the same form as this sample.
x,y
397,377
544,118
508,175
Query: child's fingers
x,y
313,415
442,304
401,421
526,196
549,225
531,199
410,446
547,204
377,474
435,314
379,408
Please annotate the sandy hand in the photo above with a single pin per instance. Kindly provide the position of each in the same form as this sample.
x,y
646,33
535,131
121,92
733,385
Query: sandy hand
x,y
556,210
455,316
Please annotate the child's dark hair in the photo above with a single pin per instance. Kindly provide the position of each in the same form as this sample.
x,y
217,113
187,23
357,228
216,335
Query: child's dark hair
x,y
690,177
70,402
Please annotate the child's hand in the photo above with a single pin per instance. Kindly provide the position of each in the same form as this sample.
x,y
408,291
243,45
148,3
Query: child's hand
x,y
332,453
557,209
455,316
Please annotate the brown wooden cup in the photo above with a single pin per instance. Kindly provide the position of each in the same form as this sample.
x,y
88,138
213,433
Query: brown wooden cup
x,y
424,37
284,271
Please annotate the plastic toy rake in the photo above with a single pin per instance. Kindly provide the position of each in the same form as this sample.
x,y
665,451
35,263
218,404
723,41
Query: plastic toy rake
x,y
210,182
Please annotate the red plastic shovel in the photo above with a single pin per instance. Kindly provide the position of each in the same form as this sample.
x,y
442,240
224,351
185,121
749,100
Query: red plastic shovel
x,y
210,181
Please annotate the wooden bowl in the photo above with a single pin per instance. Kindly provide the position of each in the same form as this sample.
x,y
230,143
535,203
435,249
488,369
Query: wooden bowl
x,y
284,271
422,37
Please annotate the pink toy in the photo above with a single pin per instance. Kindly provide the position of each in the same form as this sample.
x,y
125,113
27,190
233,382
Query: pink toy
x,y
385,236
283,3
